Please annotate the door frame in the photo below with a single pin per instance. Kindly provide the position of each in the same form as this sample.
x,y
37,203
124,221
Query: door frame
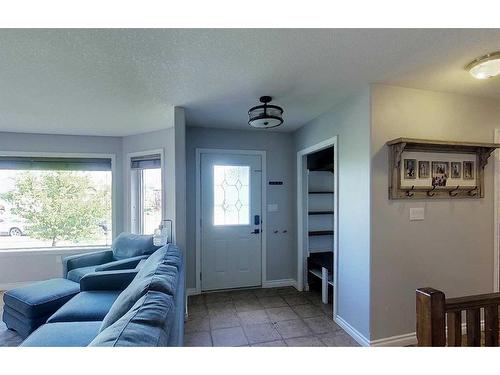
x,y
262,154
301,212
496,218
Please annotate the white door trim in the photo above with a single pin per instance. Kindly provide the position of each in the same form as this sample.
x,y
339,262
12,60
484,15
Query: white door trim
x,y
127,185
301,212
200,151
496,202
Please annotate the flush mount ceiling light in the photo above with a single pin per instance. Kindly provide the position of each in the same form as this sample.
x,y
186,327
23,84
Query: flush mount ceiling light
x,y
265,116
484,67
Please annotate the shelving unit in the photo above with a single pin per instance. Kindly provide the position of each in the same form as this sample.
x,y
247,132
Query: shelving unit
x,y
320,221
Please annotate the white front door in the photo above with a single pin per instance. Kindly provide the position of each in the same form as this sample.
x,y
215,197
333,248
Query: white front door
x,y
231,229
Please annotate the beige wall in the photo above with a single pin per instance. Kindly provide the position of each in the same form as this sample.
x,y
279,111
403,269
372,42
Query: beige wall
x,y
452,249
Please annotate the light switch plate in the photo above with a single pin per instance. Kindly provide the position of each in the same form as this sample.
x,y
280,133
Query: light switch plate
x,y
272,207
417,214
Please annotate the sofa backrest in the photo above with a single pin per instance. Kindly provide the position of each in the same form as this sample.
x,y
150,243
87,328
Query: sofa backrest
x,y
147,323
128,245
155,275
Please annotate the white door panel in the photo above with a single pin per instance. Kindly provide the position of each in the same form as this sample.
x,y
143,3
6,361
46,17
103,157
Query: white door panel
x,y
231,240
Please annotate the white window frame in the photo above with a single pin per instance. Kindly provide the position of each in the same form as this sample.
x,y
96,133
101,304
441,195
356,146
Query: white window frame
x,y
114,196
128,184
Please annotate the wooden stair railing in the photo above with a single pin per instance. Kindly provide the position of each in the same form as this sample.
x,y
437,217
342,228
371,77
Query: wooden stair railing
x,y
439,319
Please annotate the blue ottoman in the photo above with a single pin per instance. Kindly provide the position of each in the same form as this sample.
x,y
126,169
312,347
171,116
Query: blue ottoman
x,y
28,307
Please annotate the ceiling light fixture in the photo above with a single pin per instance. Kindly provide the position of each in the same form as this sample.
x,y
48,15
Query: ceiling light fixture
x,y
484,67
265,116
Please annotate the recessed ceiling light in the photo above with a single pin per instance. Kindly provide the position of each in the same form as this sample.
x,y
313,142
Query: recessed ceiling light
x,y
484,67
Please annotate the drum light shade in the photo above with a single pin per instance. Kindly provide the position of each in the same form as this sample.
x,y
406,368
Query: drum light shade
x,y
265,116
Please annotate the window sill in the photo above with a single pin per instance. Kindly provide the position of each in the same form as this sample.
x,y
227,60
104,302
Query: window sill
x,y
51,251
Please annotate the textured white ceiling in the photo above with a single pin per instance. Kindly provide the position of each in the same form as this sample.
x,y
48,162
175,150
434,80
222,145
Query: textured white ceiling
x,y
121,82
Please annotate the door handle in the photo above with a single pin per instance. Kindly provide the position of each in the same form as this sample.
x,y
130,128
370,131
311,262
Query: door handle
x,y
256,231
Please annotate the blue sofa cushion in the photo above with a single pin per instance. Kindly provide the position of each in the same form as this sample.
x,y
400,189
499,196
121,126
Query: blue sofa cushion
x,y
147,323
41,298
63,334
86,306
77,273
21,324
128,245
154,275
173,256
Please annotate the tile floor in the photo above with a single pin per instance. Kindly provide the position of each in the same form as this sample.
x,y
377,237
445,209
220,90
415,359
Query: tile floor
x,y
262,317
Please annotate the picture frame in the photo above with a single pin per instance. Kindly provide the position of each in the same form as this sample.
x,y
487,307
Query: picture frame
x,y
440,173
468,170
455,169
424,169
410,169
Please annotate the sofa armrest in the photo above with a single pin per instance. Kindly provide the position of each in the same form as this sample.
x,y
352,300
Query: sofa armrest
x,y
84,260
124,264
107,280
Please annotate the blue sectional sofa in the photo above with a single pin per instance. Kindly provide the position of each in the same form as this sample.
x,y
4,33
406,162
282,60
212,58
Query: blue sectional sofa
x,y
141,307
126,252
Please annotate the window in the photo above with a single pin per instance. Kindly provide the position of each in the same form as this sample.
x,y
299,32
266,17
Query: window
x,y
231,195
146,193
55,202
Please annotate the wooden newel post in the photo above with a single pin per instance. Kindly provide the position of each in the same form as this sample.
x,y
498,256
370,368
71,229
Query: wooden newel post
x,y
431,325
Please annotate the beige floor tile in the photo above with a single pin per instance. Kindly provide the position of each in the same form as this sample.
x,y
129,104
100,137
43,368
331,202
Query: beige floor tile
x,y
307,311
292,328
220,307
244,305
273,301
253,317
224,320
304,341
196,300
278,314
229,337
321,324
197,339
266,292
197,325
294,300
258,333
339,338
270,343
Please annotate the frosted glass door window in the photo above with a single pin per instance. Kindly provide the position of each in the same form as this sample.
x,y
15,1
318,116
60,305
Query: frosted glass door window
x,y
231,195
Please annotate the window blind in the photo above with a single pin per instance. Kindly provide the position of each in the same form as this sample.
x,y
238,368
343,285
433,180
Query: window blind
x,y
55,163
146,162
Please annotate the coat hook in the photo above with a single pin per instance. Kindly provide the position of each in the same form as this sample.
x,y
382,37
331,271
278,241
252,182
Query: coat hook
x,y
409,193
470,192
453,190
429,192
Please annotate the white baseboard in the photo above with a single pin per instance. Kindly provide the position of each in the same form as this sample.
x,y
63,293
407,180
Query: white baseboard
x,y
191,291
279,283
399,340
353,332
9,286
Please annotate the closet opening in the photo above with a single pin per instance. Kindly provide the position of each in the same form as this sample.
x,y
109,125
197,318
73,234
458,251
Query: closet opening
x,y
317,224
